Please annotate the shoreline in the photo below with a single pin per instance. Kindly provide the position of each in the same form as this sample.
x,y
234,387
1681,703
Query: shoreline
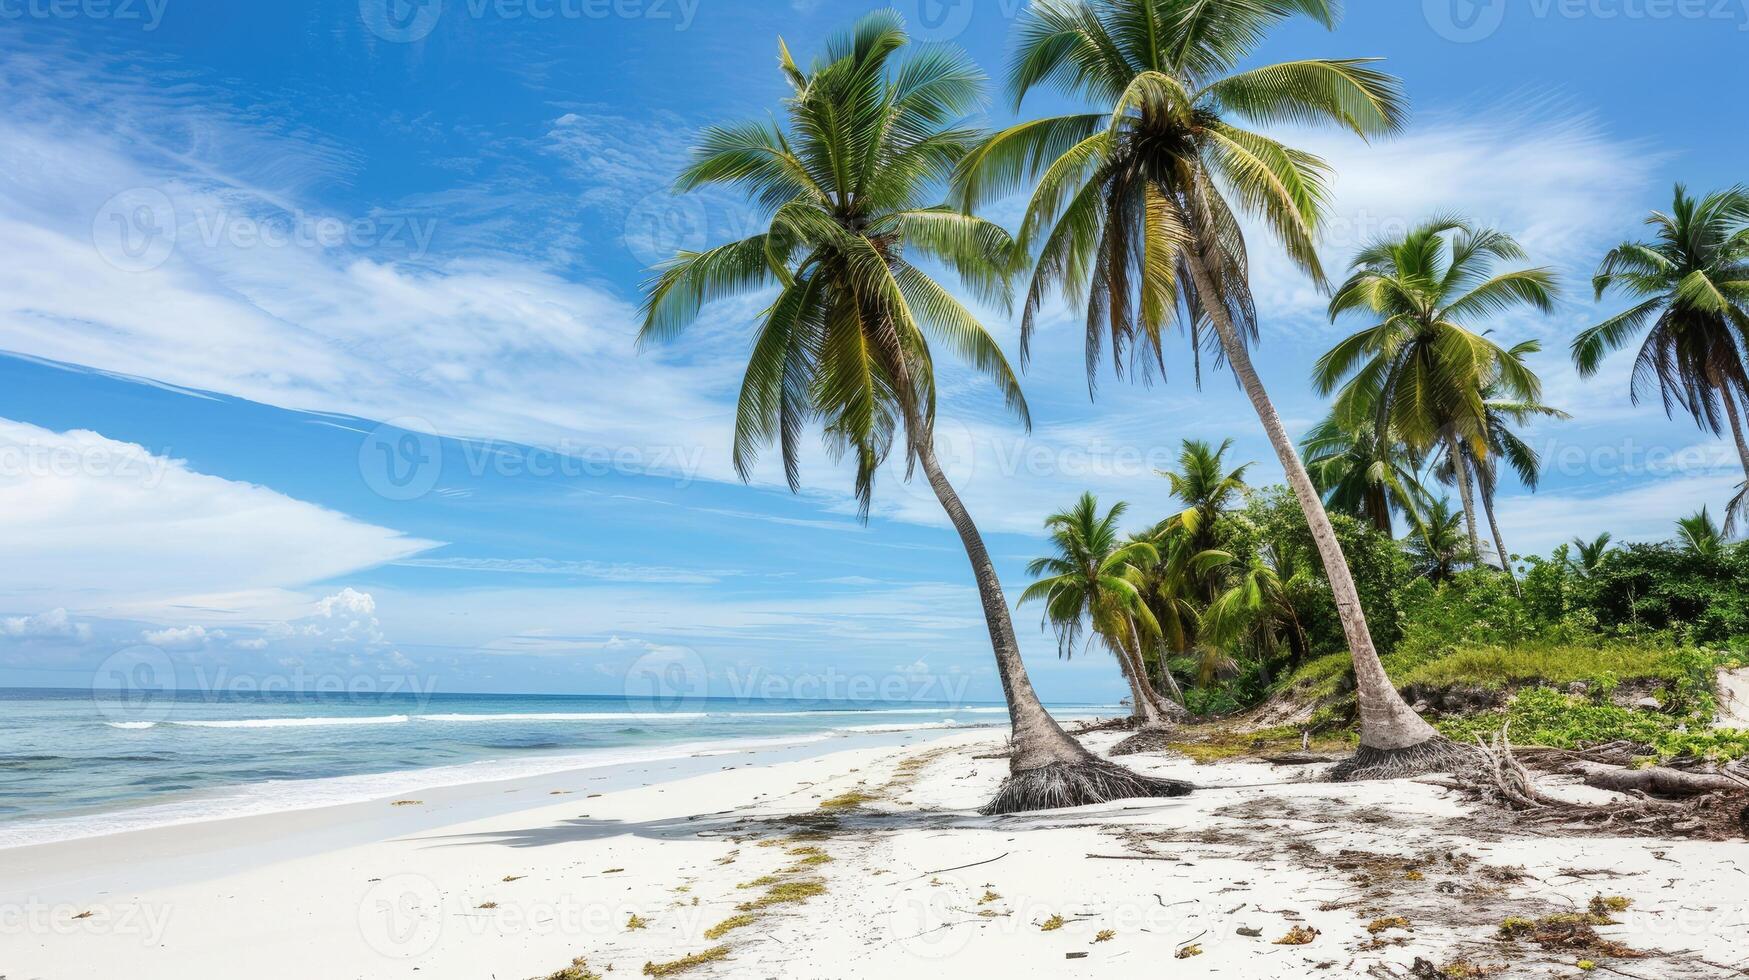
x,y
868,860
307,828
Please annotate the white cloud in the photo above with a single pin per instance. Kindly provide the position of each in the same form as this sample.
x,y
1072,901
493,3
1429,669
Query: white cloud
x,y
177,638
55,624
97,525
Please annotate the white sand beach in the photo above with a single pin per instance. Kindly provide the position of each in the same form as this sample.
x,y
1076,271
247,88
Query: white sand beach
x,y
892,874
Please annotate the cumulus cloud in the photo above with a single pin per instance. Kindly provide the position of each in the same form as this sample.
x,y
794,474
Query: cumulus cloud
x,y
55,624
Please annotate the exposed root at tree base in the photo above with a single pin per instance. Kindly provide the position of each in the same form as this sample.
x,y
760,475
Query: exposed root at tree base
x,y
1434,755
1146,740
1071,784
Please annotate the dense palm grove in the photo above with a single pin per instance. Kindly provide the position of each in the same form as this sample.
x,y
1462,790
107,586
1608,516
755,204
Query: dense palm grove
x,y
1359,573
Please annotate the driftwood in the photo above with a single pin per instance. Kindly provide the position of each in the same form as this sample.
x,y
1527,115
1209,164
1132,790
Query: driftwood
x,y
1712,806
1655,781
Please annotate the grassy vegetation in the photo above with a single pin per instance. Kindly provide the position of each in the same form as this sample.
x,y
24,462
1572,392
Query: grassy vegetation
x,y
1557,664
1536,678
578,970
784,893
685,962
1542,716
730,924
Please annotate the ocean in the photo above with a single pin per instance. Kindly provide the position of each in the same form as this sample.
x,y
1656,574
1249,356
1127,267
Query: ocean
x,y
77,763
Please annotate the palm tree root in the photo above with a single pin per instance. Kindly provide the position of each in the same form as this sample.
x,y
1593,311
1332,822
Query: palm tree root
x,y
1084,782
1153,739
1707,807
1437,754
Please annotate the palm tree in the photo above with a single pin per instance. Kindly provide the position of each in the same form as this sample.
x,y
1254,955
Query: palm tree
x,y
1500,413
1206,487
1259,607
1094,581
1131,211
847,184
1437,550
1692,284
1419,371
1173,587
1590,553
1700,536
1363,476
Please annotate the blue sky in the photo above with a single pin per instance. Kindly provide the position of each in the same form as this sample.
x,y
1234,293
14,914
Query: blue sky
x,y
318,323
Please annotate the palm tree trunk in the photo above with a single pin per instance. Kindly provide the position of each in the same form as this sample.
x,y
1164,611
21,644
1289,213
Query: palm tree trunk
x,y
1387,724
1499,541
1730,400
1143,709
1168,710
1038,739
1460,468
1047,768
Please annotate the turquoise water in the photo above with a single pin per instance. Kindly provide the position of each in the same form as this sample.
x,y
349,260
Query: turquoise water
x,y
78,763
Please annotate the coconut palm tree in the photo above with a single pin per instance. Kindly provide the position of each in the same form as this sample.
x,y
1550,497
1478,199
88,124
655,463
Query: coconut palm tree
x,y
1131,212
1692,285
1259,609
1438,550
1206,487
1590,553
1174,590
847,182
1363,476
1500,414
1094,582
1420,371
1700,536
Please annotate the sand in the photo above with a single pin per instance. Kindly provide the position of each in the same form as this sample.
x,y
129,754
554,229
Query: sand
x,y
911,882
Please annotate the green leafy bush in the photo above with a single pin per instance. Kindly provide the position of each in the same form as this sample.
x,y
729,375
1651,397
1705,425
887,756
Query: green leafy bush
x,y
1543,716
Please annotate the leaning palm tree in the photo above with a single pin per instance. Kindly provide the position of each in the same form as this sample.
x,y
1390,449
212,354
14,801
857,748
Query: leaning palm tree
x,y
1693,309
1421,369
1363,476
1093,581
1500,414
1131,212
847,184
